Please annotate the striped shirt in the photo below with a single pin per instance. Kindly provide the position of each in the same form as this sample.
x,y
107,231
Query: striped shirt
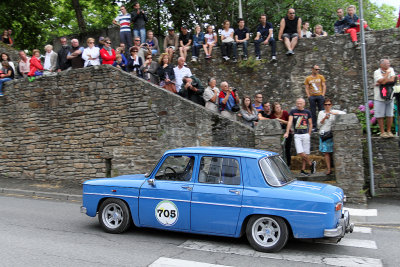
x,y
124,21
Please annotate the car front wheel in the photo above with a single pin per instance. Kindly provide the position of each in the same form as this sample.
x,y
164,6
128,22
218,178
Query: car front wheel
x,y
114,216
267,233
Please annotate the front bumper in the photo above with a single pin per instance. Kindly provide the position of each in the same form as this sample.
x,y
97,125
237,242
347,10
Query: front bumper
x,y
344,226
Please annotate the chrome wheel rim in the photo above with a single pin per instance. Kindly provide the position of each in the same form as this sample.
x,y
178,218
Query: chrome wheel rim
x,y
112,215
266,232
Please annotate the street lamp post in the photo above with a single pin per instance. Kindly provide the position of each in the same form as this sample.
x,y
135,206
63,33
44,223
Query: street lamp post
x,y
240,9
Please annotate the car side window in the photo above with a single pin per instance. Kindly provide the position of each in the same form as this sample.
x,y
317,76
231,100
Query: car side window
x,y
176,168
218,170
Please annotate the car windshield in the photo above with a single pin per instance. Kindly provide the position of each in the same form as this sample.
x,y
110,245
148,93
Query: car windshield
x,y
275,171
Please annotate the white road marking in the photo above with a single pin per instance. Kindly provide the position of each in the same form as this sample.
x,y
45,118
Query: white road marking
x,y
290,255
359,243
364,230
168,262
362,212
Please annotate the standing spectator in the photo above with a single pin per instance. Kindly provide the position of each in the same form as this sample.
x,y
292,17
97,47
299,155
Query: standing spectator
x,y
91,54
7,75
192,89
181,71
62,62
325,120
134,61
352,24
36,67
340,23
258,100
107,53
10,36
50,60
23,64
318,31
210,39
6,57
265,36
149,69
227,40
241,36
75,55
139,20
266,112
248,113
5,38
305,33
197,42
301,120
171,43
282,116
228,99
152,43
185,41
102,43
123,20
290,31
383,107
166,73
315,90
211,94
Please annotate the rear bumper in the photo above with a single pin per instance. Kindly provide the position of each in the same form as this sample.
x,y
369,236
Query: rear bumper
x,y
344,226
83,210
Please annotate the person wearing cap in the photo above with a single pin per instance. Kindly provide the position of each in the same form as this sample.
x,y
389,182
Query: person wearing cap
x,y
185,41
171,43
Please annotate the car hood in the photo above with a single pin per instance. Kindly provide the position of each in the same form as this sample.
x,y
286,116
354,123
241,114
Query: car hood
x,y
134,180
326,190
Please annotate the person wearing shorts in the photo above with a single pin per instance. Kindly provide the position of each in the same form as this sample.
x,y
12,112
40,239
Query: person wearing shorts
x,y
301,120
290,31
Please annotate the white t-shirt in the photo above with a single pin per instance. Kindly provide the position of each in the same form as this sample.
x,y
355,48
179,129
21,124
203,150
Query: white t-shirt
x,y
209,38
227,33
377,76
179,74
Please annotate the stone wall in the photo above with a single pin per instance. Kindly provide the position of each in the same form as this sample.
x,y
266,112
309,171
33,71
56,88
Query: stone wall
x,y
71,125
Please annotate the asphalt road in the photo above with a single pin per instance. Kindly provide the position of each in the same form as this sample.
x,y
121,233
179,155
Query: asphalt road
x,y
36,232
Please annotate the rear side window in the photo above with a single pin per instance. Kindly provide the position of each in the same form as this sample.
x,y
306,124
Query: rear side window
x,y
217,170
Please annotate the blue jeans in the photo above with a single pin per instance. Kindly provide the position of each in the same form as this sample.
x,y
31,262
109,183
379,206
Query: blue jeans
x,y
3,81
316,101
196,50
126,38
141,33
235,45
271,42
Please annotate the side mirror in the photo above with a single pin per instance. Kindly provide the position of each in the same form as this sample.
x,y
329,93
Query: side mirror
x,y
151,182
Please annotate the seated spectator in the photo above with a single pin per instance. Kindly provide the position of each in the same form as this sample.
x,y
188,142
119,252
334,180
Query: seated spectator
x,y
248,113
171,43
5,38
211,94
10,36
75,55
197,42
210,39
265,36
181,71
352,24
265,114
7,74
149,69
227,40
166,73
192,89
318,31
102,42
36,67
339,24
120,51
6,57
152,43
91,54
50,60
258,100
119,63
290,31
241,36
62,62
185,41
142,48
134,62
305,33
23,64
107,53
228,100
283,117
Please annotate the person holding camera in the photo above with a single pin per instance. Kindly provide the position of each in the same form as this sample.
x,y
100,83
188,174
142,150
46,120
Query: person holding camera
x,y
139,20
192,89
228,101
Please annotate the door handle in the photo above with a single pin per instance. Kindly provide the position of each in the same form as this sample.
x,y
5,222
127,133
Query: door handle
x,y
187,188
235,191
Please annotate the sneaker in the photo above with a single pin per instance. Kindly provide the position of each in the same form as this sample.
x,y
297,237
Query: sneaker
x,y
207,56
313,167
234,60
288,53
185,64
304,173
390,134
258,58
291,52
356,44
245,58
225,58
273,58
194,59
384,135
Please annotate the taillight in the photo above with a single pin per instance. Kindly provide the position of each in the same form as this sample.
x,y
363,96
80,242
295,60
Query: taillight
x,y
338,206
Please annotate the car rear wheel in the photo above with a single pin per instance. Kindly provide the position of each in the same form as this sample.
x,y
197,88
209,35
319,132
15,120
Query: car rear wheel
x,y
267,233
114,216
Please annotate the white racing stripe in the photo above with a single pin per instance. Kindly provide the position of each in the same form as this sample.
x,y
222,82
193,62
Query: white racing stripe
x,y
362,212
168,262
290,255
364,230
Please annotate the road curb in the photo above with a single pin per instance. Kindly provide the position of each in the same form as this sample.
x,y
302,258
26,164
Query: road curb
x,y
41,194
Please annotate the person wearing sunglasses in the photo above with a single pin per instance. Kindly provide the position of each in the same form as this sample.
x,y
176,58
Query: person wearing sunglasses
x,y
290,31
315,90
149,69
91,54
107,53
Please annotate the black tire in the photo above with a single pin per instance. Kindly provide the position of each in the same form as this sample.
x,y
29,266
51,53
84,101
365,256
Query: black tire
x,y
267,233
114,216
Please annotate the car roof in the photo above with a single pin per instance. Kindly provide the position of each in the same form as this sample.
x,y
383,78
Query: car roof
x,y
224,151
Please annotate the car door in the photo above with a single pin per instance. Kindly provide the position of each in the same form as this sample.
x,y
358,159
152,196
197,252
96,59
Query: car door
x,y
164,200
217,195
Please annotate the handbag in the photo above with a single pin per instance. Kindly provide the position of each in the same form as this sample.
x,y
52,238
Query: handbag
x,y
326,135
235,108
170,87
228,40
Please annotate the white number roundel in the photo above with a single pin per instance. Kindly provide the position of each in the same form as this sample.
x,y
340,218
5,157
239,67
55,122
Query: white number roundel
x,y
166,213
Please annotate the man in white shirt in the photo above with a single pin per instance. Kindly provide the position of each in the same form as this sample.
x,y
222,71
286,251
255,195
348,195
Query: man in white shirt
x,y
50,60
180,72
